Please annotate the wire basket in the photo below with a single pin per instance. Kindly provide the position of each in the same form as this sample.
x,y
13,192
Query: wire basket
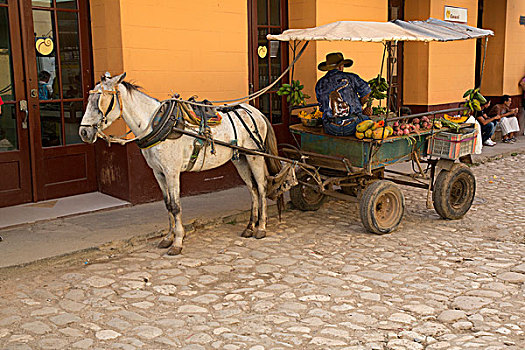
x,y
450,145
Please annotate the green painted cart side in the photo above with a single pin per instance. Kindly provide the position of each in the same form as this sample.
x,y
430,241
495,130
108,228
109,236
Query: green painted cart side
x,y
366,154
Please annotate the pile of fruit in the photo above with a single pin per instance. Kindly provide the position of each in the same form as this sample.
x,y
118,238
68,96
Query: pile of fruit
x,y
315,114
311,119
368,129
416,124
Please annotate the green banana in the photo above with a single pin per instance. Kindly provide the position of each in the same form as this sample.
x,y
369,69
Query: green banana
x,y
468,92
480,98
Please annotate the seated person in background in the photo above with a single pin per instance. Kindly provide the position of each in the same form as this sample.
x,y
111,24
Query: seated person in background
x,y
341,96
508,120
44,89
488,125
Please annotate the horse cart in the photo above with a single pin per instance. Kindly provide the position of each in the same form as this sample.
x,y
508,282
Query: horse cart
x,y
174,139
360,170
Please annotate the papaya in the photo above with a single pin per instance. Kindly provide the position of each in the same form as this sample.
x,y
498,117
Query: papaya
x,y
375,126
368,133
390,130
380,133
458,119
364,125
360,135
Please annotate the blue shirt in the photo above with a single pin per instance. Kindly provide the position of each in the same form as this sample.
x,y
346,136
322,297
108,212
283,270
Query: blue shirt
x,y
351,94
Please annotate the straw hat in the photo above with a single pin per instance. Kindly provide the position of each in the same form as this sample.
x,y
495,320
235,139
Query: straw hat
x,y
333,60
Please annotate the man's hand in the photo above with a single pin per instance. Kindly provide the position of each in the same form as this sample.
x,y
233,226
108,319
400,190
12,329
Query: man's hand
x,y
515,111
364,99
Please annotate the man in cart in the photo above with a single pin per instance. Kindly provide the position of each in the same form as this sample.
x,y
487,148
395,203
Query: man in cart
x,y
341,96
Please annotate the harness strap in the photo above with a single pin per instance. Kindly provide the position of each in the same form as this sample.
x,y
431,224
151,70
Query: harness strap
x,y
259,143
234,141
256,129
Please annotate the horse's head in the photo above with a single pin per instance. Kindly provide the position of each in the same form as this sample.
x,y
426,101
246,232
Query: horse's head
x,y
103,108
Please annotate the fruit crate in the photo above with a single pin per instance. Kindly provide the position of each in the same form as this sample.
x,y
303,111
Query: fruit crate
x,y
450,145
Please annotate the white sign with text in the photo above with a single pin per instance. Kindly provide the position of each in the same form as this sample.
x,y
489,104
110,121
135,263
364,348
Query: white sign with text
x,y
456,14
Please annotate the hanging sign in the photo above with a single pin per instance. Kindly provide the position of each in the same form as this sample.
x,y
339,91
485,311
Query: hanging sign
x,y
456,14
44,46
262,51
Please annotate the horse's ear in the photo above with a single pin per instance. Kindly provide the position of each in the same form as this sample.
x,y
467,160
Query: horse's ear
x,y
121,78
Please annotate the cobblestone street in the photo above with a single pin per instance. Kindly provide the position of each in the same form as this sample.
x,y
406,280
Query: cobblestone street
x,y
318,281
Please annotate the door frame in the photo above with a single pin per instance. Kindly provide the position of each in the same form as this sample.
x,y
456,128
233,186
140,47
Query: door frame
x,y
41,190
281,129
22,153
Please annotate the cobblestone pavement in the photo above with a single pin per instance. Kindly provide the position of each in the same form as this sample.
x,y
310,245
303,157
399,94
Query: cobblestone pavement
x,y
318,281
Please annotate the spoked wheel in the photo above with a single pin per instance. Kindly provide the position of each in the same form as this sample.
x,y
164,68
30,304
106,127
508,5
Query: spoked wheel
x,y
304,197
454,191
382,206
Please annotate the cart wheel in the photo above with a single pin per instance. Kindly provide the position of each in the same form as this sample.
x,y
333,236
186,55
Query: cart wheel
x,y
454,191
382,207
305,197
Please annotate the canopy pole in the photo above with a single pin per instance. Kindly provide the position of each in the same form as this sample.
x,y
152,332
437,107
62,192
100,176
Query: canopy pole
x,y
389,73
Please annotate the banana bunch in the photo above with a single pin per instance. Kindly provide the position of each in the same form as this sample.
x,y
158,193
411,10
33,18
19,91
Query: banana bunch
x,y
379,86
474,101
293,93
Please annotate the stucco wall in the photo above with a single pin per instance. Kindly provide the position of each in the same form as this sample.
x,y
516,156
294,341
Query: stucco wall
x,y
311,13
506,53
168,46
438,73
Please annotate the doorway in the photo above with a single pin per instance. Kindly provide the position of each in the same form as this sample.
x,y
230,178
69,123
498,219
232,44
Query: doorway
x,y
267,60
45,72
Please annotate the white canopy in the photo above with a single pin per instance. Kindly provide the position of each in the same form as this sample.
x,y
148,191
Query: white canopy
x,y
430,30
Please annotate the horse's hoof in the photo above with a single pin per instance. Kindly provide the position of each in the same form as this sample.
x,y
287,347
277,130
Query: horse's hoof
x,y
260,234
165,243
174,251
247,233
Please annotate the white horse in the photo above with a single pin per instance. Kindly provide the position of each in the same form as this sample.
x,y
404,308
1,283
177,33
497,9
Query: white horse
x,y
113,98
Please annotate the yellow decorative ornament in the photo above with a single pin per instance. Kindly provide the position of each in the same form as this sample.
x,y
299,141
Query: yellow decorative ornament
x,y
44,46
262,51
458,119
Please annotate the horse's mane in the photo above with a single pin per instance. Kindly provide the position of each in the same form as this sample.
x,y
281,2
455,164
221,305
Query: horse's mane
x,y
131,86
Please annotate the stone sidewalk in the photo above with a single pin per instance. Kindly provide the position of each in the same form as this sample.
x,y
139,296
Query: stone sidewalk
x,y
114,228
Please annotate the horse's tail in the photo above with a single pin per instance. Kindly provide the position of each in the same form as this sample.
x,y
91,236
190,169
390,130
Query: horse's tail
x,y
274,166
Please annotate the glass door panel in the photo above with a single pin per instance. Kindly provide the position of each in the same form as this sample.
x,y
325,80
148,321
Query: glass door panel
x,y
8,127
15,167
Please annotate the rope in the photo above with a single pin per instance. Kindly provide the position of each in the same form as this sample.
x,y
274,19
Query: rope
x,y
251,96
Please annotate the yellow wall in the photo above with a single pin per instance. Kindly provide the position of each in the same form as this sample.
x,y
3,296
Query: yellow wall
x,y
312,13
107,45
302,14
174,46
514,47
506,53
438,73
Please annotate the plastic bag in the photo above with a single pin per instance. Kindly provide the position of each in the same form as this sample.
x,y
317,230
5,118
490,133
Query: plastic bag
x,y
479,142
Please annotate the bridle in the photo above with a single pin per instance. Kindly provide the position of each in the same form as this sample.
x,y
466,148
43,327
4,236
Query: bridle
x,y
104,107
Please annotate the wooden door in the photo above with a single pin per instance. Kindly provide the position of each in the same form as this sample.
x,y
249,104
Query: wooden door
x,y
15,169
268,60
55,35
